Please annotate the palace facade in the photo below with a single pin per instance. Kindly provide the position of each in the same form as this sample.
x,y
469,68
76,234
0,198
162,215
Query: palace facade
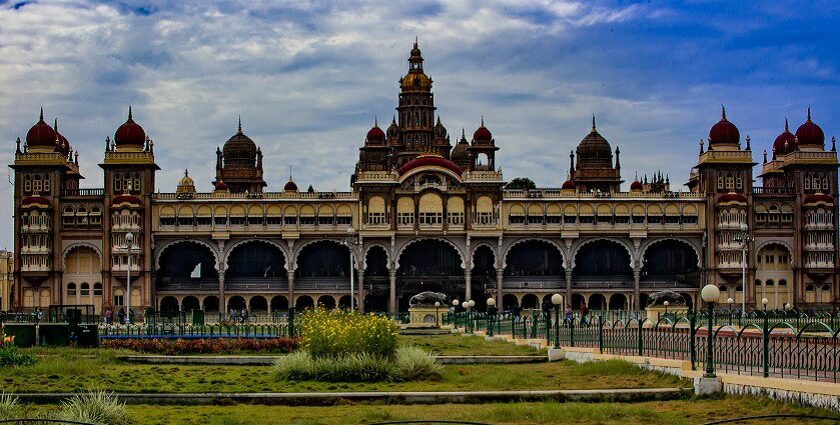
x,y
425,212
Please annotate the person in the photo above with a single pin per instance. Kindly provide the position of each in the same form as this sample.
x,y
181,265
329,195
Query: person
x,y
568,313
244,315
516,310
109,315
232,314
121,315
584,315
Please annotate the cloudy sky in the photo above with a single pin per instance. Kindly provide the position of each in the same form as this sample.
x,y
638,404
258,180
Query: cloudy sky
x,y
308,78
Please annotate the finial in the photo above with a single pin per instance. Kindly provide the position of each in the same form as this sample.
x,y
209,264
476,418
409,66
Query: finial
x,y
17,142
77,157
463,134
239,125
701,146
636,176
186,172
55,125
765,156
809,113
833,146
290,173
42,113
416,39
129,113
786,124
593,123
376,121
722,112
482,120
748,142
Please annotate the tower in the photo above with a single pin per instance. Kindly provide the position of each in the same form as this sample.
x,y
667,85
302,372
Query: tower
x,y
239,164
594,170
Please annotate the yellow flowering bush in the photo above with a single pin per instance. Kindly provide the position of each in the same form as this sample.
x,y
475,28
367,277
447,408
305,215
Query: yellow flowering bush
x,y
9,354
338,333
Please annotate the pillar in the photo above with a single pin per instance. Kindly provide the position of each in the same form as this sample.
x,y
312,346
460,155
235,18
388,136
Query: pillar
x,y
291,276
634,303
468,281
360,281
569,288
392,291
500,274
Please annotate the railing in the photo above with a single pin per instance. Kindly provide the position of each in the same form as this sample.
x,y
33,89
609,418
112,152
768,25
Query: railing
x,y
772,190
83,192
778,344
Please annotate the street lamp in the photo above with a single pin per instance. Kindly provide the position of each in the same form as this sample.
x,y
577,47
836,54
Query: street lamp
x,y
765,337
437,305
729,301
129,240
556,299
666,304
710,295
455,304
352,242
744,238
491,306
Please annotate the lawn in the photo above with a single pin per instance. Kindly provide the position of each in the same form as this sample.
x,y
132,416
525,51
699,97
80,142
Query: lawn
x,y
666,412
67,369
467,345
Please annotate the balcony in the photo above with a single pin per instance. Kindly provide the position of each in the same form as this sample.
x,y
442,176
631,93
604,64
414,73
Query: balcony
x,y
84,192
186,284
772,191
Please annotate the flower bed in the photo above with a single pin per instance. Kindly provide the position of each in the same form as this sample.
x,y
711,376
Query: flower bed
x,y
203,346
9,354
331,333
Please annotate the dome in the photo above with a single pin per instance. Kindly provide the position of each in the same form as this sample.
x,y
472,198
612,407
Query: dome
x,y
819,198
594,149
636,185
810,134
430,160
785,143
375,135
130,134
440,130
186,184
568,185
393,129
35,202
482,134
459,152
126,200
732,197
41,134
290,186
724,132
62,146
240,149
416,81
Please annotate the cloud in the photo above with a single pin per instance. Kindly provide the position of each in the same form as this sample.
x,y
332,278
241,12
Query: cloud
x,y
308,77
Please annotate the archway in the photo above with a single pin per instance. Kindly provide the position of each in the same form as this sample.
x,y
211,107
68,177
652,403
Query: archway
x,y
483,276
304,302
618,302
577,301
344,301
279,303
236,303
190,303
534,258
429,264
509,300
258,305
602,263
773,272
324,259
187,266
597,302
530,301
670,262
211,305
81,267
169,305
377,281
256,265
326,301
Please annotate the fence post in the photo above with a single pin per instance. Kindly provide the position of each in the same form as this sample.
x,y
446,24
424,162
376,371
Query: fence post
x,y
601,334
572,331
765,360
692,329
640,338
292,322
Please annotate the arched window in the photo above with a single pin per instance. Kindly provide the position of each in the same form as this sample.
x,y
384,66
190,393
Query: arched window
x,y
27,184
720,183
730,181
739,182
71,289
97,289
782,282
84,289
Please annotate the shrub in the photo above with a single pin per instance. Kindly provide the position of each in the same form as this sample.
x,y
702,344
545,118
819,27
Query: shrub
x,y
409,363
9,407
203,346
340,333
10,356
95,407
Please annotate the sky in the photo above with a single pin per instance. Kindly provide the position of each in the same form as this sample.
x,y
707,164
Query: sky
x,y
309,77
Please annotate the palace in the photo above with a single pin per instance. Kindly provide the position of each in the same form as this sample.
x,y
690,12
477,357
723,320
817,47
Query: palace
x,y
424,213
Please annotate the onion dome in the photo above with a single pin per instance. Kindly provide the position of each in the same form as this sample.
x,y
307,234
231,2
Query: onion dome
x,y
416,80
482,134
431,161
240,150
126,201
41,134
35,202
810,134
818,198
732,197
459,153
724,132
375,135
290,186
785,143
393,129
62,146
594,150
636,186
439,130
568,185
220,186
130,134
186,184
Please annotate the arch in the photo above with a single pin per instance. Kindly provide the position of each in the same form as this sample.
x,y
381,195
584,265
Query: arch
x,y
405,205
519,241
401,250
290,211
230,249
279,302
426,168
255,210
236,303
185,211
304,301
484,204
210,304
483,259
258,305
344,301
618,302
530,301
327,301
534,257
649,243
334,259
376,204
455,204
430,202
376,261
169,304
577,300
785,244
274,211
166,211
203,211
166,245
597,302
509,300
325,210
576,251
190,303
75,245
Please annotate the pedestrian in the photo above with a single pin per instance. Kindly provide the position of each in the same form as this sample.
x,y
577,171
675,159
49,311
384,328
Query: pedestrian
x,y
109,316
121,315
244,315
584,315
568,313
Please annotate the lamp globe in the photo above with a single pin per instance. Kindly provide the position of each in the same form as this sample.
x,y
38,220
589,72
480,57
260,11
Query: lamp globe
x,y
710,293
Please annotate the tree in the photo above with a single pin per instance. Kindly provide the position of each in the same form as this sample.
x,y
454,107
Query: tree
x,y
521,183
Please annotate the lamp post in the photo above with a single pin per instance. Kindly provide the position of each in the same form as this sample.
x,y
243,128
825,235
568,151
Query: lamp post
x,y
744,238
765,358
437,305
465,305
710,295
729,301
666,304
352,242
556,299
491,304
129,240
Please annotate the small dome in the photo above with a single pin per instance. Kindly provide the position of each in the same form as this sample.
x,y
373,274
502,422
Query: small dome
x,y
482,134
430,160
416,81
220,186
818,198
732,197
393,129
724,132
810,134
568,185
375,135
186,184
636,185
240,150
290,186
125,200
440,130
594,150
35,202
459,152
785,143
130,133
41,134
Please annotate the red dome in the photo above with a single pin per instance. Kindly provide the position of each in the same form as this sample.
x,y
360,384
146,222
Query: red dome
x,y
732,197
819,197
220,185
568,184
810,134
785,143
482,134
130,133
724,132
636,185
430,160
376,135
41,134
130,201
35,201
290,186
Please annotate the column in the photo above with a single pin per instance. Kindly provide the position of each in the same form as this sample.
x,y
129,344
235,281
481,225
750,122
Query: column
x,y
634,304
222,303
360,281
468,281
500,274
569,288
291,277
392,291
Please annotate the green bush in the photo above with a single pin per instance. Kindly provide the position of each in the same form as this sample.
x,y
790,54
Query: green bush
x,y
95,407
408,364
340,333
9,354
9,407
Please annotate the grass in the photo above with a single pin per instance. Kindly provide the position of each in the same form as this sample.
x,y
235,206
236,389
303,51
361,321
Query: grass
x,y
67,369
667,412
470,345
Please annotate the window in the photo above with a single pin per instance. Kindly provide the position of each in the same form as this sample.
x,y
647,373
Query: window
x,y
117,184
255,220
27,184
654,219
569,219
118,300
587,219
167,221
517,219
456,218
535,219
343,220
325,220
638,219
672,219
730,181
36,184
97,289
782,282
203,221
237,221
376,218
290,219
739,182
307,220
71,289
185,221
84,289
220,220
689,219
405,218
430,218
720,183
273,220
